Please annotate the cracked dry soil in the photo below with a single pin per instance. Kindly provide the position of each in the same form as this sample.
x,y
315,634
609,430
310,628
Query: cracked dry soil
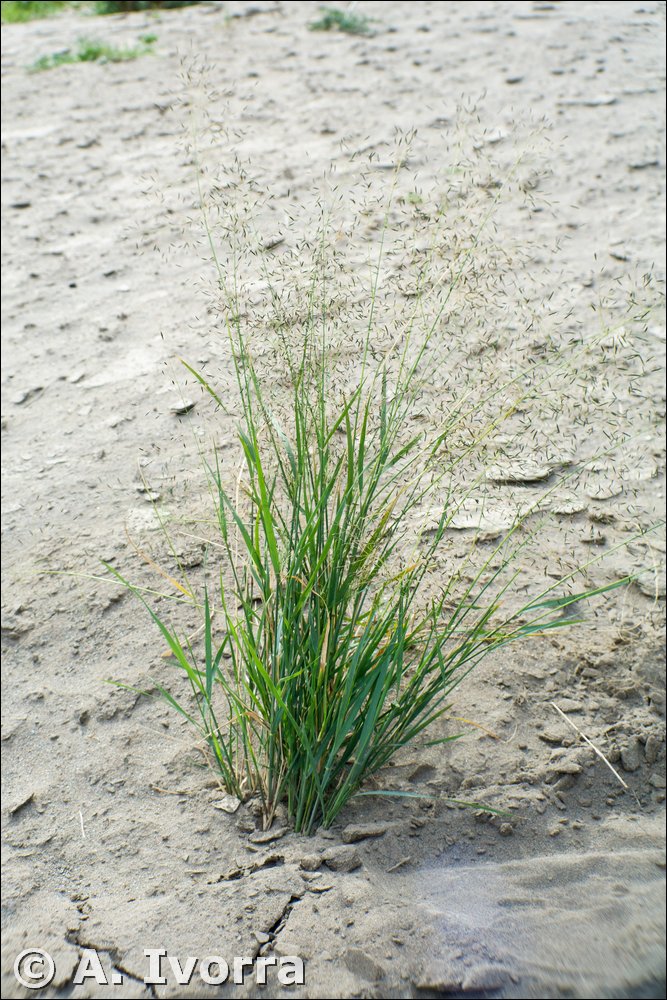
x,y
111,840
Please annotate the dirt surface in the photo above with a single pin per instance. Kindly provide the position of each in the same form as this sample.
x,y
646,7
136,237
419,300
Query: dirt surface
x,y
111,836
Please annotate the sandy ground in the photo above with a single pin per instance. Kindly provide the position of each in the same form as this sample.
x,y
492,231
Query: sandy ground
x,y
111,840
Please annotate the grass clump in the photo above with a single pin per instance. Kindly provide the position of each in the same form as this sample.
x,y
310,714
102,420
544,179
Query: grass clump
x,y
15,11
91,50
349,585
120,6
335,19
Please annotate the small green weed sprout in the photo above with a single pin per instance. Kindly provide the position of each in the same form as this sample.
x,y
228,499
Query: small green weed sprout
x,y
91,50
335,19
375,541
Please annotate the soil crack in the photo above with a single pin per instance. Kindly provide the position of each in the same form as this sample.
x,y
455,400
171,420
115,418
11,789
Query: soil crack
x,y
114,959
241,871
